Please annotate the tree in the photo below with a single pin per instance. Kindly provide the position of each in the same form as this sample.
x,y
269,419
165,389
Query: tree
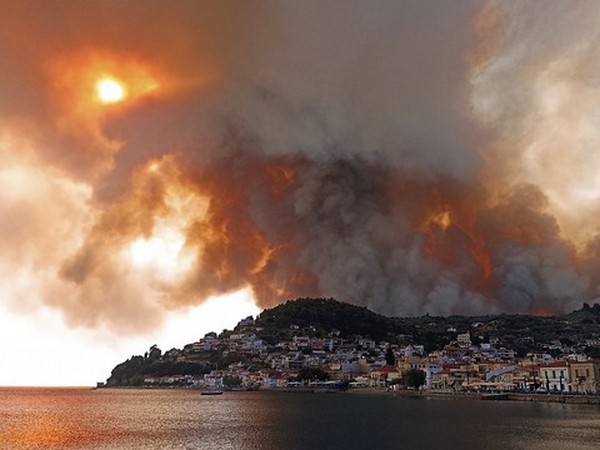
x,y
414,378
154,353
231,381
312,374
390,358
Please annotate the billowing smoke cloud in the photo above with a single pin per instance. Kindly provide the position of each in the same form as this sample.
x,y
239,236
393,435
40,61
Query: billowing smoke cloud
x,y
408,156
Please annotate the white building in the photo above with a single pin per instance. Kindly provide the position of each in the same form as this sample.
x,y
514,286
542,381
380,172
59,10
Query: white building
x,y
464,338
555,376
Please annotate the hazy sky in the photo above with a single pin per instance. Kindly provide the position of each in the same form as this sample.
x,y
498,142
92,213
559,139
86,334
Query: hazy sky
x,y
409,156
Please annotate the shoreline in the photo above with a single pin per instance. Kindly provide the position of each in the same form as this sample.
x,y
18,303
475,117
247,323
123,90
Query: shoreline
x,y
501,396
426,395
509,396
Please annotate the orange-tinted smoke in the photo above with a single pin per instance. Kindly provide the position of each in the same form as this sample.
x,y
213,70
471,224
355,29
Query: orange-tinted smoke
x,y
488,36
359,175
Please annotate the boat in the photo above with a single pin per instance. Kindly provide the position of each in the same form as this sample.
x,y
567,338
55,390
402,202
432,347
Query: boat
x,y
495,396
212,392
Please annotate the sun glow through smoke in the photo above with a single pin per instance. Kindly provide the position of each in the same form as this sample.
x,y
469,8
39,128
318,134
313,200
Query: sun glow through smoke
x,y
110,90
163,253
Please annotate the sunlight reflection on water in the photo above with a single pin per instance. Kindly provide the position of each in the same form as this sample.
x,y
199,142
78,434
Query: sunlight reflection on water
x,y
110,419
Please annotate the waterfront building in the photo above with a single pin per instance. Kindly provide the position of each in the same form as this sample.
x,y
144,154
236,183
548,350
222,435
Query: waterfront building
x,y
555,376
584,376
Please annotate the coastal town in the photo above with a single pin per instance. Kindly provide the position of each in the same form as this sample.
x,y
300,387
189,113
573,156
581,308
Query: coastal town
x,y
306,358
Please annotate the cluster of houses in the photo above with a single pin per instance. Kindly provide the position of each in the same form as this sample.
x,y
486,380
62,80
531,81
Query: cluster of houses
x,y
461,366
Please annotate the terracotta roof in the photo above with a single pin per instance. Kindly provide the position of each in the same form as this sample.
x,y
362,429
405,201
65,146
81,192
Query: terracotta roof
x,y
555,364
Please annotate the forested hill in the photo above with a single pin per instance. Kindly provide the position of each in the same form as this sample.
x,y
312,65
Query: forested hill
x,y
318,317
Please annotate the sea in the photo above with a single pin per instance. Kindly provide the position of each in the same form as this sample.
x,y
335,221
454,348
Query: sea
x,y
119,419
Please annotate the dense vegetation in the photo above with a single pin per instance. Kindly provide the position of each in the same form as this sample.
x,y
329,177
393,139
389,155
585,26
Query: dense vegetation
x,y
523,333
318,317
414,378
133,371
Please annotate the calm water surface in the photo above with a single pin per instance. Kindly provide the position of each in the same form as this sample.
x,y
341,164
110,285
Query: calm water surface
x,y
143,419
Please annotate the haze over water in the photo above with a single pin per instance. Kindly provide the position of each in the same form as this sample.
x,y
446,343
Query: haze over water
x,y
172,419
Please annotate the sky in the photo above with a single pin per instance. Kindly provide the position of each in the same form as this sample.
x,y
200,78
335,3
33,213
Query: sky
x,y
169,169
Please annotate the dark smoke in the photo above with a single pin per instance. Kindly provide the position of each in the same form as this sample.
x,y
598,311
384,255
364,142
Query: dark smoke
x,y
408,156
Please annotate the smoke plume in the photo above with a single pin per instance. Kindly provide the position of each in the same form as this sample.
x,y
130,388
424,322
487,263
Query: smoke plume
x,y
407,156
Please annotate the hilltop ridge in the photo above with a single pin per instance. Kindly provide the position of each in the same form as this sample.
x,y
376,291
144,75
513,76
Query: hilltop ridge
x,y
324,315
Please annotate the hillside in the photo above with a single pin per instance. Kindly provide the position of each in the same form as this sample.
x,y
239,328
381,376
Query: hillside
x,y
317,317
578,331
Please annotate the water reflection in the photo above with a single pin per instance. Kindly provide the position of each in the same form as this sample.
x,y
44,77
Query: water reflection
x,y
138,419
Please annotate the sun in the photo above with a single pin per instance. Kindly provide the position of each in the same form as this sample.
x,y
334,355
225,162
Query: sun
x,y
110,90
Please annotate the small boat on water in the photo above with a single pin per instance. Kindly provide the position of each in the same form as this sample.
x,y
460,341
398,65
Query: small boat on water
x,y
212,392
495,396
